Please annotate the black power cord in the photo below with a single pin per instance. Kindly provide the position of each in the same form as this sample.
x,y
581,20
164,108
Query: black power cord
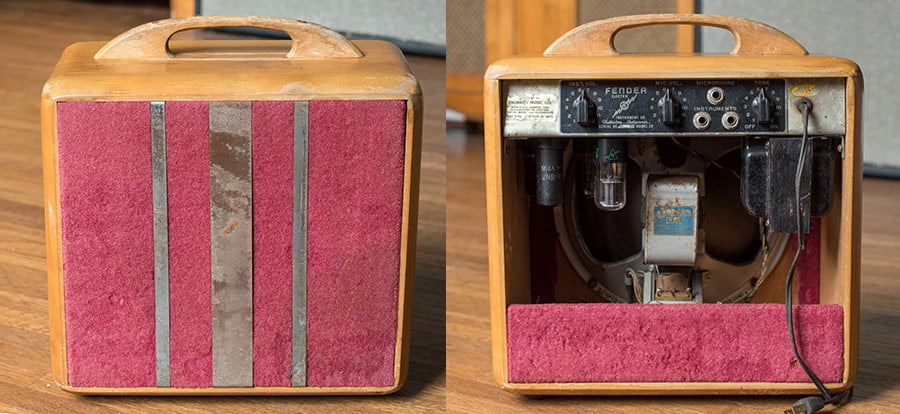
x,y
813,404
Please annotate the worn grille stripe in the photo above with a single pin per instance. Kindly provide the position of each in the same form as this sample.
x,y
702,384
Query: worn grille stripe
x,y
231,243
298,334
160,241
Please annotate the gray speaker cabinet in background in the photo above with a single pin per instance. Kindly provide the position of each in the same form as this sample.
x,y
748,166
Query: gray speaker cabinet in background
x,y
417,26
865,31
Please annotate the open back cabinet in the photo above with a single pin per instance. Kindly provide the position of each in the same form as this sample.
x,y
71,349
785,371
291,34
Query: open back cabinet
x,y
641,219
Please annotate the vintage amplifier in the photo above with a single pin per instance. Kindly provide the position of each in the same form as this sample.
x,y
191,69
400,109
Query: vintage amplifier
x,y
231,217
648,213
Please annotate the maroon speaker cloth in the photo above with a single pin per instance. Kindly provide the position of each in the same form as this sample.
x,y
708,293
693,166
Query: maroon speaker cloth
x,y
353,195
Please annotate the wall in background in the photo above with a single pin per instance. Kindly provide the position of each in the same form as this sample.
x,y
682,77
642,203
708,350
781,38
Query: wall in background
x,y
480,32
863,31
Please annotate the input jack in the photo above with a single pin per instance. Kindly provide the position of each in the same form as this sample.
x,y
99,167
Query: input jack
x,y
731,120
701,120
715,95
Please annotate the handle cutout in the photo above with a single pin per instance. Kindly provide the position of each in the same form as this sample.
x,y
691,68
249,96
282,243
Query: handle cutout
x,y
714,40
221,44
647,39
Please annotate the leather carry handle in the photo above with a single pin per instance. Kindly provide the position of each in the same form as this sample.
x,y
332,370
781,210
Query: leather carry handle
x,y
750,37
150,41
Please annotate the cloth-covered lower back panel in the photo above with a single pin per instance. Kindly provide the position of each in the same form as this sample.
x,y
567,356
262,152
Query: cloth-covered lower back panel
x,y
601,342
356,159
107,238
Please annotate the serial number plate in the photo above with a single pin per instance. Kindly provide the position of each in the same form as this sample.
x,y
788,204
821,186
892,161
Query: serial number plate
x,y
532,107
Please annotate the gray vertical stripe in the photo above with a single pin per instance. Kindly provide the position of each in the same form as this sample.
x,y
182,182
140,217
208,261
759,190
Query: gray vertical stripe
x,y
160,240
231,209
298,333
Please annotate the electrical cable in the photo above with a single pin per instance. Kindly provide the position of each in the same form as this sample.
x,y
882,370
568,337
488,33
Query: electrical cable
x,y
806,405
637,286
764,266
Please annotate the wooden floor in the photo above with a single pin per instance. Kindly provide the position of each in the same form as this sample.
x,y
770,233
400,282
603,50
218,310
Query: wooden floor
x,y
470,384
33,33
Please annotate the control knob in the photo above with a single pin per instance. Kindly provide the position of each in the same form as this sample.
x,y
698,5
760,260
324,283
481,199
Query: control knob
x,y
585,110
764,109
669,109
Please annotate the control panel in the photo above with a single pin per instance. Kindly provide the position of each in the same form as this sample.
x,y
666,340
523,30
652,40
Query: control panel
x,y
666,107
672,106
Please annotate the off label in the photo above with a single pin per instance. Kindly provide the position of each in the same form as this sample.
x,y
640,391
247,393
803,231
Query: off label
x,y
532,108
673,220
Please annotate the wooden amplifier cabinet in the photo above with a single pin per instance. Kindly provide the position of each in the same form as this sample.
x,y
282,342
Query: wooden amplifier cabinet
x,y
560,345
231,217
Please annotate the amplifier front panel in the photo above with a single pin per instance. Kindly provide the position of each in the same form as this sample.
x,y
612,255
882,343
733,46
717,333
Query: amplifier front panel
x,y
231,244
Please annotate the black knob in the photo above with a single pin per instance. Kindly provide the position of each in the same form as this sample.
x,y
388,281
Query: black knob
x,y
764,109
669,109
585,111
